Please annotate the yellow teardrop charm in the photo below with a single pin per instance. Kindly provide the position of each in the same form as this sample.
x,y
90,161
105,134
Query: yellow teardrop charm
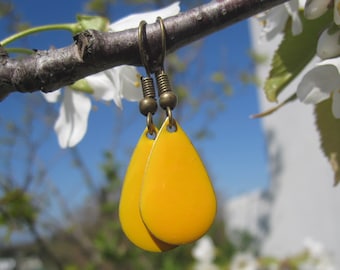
x,y
178,203
129,214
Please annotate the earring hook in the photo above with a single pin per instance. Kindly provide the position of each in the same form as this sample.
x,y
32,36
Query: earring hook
x,y
163,41
141,43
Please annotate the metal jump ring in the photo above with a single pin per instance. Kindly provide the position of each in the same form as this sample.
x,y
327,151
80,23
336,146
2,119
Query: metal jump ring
x,y
151,127
172,121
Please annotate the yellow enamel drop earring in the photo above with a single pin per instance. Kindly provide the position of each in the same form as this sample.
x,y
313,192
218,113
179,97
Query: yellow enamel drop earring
x,y
167,197
177,200
129,206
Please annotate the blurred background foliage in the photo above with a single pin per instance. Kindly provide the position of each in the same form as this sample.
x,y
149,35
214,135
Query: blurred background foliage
x,y
89,236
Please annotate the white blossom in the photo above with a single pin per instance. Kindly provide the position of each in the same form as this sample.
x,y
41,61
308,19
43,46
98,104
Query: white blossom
x,y
115,84
316,8
314,248
328,43
204,253
318,258
320,83
71,124
274,20
204,250
244,261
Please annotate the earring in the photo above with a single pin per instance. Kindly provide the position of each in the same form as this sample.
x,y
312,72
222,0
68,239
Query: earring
x,y
167,197
129,210
178,203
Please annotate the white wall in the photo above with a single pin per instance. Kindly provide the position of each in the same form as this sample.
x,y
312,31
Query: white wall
x,y
305,203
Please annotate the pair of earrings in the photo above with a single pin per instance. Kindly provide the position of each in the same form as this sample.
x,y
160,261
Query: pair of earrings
x,y
167,197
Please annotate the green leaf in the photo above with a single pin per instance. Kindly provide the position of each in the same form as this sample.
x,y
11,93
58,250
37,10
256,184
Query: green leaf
x,y
17,206
329,129
293,54
93,22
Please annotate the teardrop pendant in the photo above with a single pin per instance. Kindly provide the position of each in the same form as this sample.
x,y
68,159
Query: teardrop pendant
x,y
177,201
129,210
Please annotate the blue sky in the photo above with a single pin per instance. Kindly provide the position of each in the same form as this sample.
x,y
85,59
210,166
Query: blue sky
x,y
235,153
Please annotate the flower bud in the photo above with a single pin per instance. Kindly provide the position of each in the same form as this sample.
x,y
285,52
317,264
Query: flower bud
x,y
329,43
316,8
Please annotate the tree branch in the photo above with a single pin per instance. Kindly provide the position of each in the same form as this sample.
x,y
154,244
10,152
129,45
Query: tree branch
x,y
94,51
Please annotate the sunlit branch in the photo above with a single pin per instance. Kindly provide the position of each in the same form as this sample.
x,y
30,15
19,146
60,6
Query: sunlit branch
x,y
94,51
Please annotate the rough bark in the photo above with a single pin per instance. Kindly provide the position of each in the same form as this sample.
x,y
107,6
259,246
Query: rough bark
x,y
94,51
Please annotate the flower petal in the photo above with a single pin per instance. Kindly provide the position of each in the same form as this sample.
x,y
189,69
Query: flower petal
x,y
106,86
314,248
336,104
302,4
102,85
71,124
332,62
328,45
293,10
318,83
52,97
316,8
130,83
274,21
244,261
204,250
132,21
116,83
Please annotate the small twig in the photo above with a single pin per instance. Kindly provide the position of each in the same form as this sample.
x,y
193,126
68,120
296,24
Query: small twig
x,y
275,108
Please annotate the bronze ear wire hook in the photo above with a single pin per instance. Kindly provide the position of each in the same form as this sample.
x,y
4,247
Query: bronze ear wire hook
x,y
147,105
141,43
163,41
167,98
